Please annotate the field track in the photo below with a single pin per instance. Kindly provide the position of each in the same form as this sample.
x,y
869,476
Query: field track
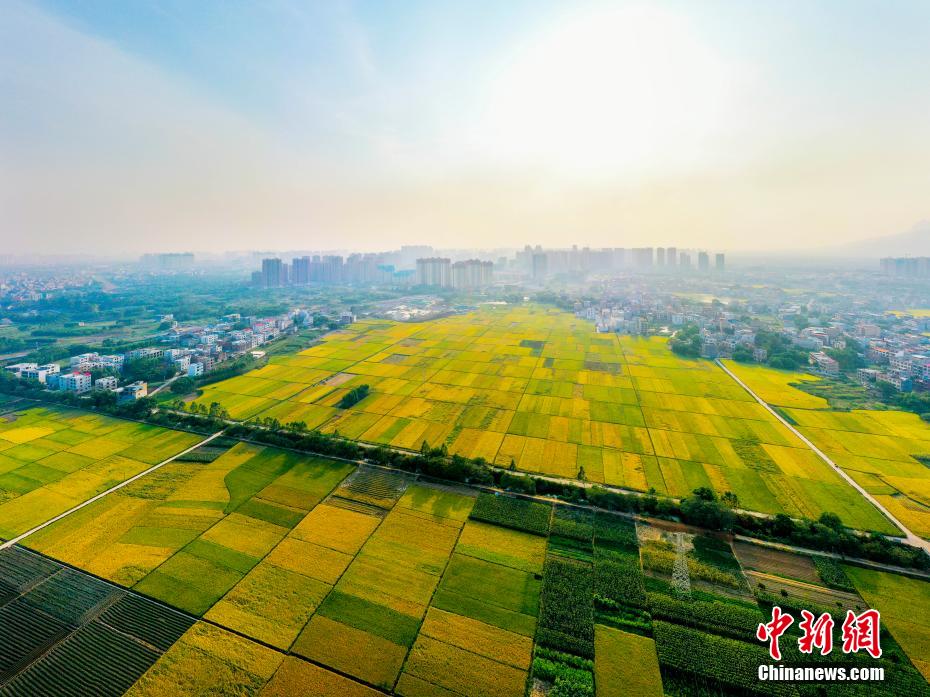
x,y
20,538
910,537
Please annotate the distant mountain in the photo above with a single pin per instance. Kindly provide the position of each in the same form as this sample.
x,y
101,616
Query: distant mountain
x,y
914,242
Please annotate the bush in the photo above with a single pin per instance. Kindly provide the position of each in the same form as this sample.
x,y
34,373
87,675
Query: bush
x,y
727,619
573,523
183,386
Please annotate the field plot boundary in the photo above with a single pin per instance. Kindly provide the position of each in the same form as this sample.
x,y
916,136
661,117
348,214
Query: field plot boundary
x,y
65,514
910,537
193,619
108,613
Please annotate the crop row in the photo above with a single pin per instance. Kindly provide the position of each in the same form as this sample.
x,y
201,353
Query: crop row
x,y
727,619
566,619
619,578
611,531
733,664
518,514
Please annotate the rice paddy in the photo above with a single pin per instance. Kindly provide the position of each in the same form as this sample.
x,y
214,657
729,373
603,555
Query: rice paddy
x,y
538,389
54,459
885,452
302,575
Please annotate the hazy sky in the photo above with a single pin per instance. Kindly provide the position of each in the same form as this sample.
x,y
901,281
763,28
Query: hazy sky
x,y
174,125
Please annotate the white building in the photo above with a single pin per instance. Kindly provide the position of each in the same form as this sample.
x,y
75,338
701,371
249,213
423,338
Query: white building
x,y
824,363
105,383
77,382
142,353
195,370
94,361
40,372
18,368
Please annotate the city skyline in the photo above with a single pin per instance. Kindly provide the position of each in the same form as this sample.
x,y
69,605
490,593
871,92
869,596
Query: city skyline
x,y
345,126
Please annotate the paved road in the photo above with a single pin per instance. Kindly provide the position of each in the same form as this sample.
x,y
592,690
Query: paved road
x,y
165,384
909,537
20,538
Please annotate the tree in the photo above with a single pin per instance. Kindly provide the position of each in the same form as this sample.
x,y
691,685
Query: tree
x,y
148,370
581,475
353,397
703,509
729,499
742,354
783,525
687,342
183,385
831,520
513,465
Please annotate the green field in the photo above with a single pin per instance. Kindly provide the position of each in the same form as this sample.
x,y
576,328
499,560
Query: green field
x,y
54,459
905,606
313,576
883,451
538,388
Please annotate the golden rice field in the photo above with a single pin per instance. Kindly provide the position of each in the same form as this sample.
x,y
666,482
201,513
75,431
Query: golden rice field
x,y
538,388
881,450
54,459
304,575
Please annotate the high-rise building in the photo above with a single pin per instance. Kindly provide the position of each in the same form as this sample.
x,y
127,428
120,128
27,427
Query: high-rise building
x,y
642,257
540,266
472,273
274,273
684,261
719,262
434,272
914,267
619,258
300,271
660,256
703,261
671,257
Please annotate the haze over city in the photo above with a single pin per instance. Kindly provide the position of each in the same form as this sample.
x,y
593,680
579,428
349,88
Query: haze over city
x,y
165,126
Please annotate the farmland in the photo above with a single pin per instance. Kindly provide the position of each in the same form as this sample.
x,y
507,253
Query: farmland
x,y
537,389
882,451
904,604
54,459
297,573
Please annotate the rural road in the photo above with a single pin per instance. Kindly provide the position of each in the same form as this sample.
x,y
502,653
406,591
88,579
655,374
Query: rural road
x,y
23,536
909,537
165,384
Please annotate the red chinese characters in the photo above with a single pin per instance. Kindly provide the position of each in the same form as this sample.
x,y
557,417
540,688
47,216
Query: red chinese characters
x,y
771,631
862,632
815,633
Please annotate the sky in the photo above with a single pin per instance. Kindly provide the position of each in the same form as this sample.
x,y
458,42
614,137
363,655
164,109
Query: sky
x,y
171,125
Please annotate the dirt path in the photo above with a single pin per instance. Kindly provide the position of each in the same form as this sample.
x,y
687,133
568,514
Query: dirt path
x,y
20,538
909,537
